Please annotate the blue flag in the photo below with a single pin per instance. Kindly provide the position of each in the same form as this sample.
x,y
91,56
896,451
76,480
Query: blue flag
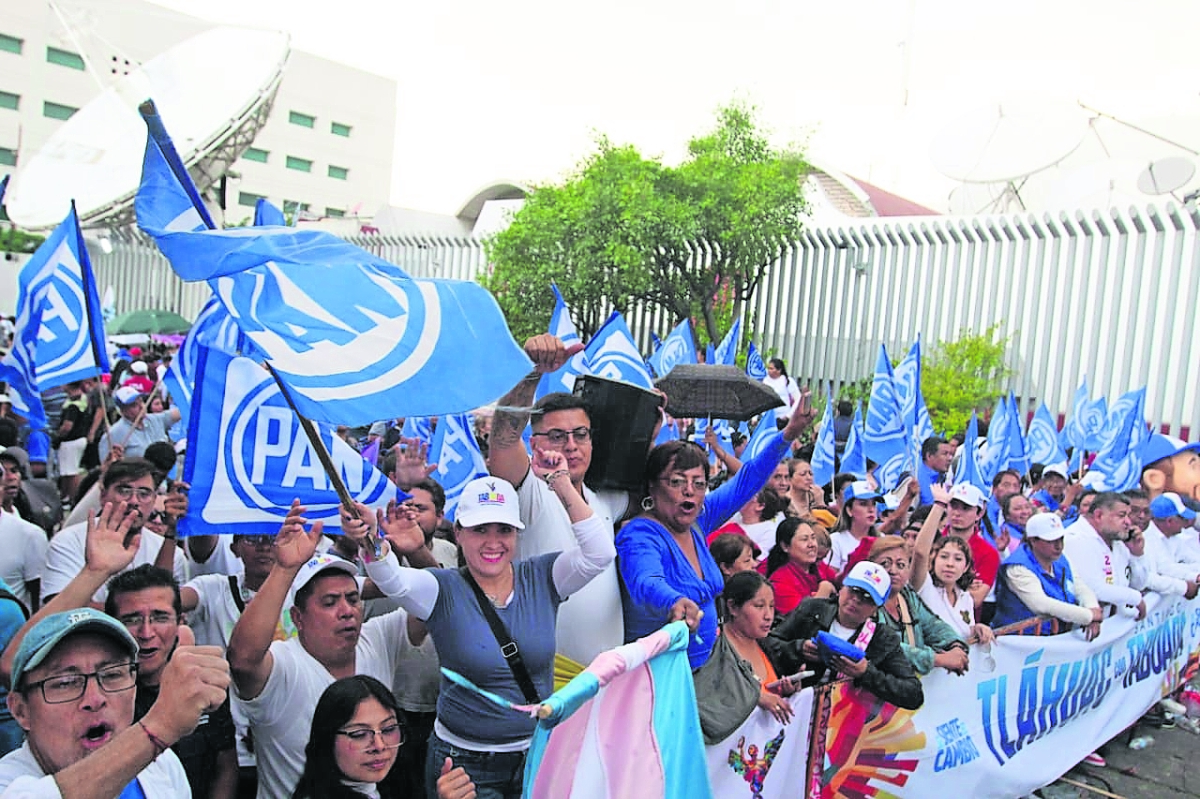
x,y
1042,439
669,431
756,368
968,463
764,433
248,458
562,379
16,373
710,353
885,436
1018,459
824,455
348,333
1093,423
612,354
458,458
993,455
213,328
68,341
726,352
167,200
677,348
418,427
854,458
1115,421
266,214
1118,466
907,379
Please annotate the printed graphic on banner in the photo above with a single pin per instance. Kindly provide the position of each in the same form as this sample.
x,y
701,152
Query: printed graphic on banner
x,y
456,453
248,458
764,759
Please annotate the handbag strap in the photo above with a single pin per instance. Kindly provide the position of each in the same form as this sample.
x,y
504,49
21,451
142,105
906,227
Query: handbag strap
x,y
508,647
236,590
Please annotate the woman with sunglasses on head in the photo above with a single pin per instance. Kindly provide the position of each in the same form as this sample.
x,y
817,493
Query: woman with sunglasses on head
x,y
668,571
357,731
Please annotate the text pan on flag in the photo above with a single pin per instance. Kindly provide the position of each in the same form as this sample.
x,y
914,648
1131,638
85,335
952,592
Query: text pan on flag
x,y
66,336
247,457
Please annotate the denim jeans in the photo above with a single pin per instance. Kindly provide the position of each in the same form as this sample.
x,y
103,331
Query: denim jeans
x,y
497,775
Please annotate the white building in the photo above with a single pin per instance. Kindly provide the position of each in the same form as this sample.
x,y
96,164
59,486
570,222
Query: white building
x,y
326,148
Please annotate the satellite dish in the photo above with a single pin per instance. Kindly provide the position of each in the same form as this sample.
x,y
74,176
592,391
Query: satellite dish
x,y
214,92
1003,143
1166,175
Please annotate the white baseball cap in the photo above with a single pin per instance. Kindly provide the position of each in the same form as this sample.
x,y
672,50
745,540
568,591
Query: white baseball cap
x,y
488,500
968,494
1046,526
321,563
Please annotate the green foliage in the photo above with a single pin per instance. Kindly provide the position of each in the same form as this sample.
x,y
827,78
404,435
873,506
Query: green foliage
x,y
858,392
625,228
958,377
18,241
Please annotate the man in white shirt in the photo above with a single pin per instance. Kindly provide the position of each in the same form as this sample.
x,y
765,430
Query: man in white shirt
x,y
131,482
22,544
1098,556
1171,568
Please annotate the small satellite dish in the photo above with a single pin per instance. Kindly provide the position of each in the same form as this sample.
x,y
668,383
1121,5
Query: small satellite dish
x,y
214,92
1003,143
1166,175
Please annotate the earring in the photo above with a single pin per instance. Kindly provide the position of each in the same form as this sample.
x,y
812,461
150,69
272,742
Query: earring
x,y
648,504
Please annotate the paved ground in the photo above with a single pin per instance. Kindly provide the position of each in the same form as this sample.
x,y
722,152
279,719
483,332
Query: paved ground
x,y
1167,769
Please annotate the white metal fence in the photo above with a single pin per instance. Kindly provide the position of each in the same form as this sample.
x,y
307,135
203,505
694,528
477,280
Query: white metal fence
x,y
1111,295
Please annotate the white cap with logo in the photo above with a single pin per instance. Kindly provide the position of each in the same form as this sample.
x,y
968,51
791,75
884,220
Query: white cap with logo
x,y
488,500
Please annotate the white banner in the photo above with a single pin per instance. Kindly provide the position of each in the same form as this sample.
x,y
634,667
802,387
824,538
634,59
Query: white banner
x,y
1006,729
764,759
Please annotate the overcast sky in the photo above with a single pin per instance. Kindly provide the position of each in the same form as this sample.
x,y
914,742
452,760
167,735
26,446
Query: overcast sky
x,y
514,90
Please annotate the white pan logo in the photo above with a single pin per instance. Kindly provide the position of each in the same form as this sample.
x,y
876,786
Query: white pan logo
x,y
616,361
352,352
63,339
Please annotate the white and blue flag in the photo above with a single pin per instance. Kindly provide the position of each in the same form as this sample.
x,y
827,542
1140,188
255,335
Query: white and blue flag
x,y
854,459
885,436
612,354
764,433
16,372
907,380
726,352
1126,403
1041,442
348,333
1118,466
458,458
1094,423
1018,458
56,287
824,457
418,427
248,458
968,463
266,214
561,326
678,347
993,454
213,328
756,367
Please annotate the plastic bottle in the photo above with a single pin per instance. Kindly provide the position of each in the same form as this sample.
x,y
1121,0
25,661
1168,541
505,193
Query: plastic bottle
x,y
1141,742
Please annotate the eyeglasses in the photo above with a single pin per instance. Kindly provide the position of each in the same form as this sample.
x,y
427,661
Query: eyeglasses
x,y
582,435
157,618
364,737
127,491
259,541
158,517
862,595
677,483
69,687
888,564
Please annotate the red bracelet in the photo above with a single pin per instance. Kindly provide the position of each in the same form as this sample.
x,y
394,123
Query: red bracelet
x,y
157,742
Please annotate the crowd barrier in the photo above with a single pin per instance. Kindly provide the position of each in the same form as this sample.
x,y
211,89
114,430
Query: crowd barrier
x,y
1025,712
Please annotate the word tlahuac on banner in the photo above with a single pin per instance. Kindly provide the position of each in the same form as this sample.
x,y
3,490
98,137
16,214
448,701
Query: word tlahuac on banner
x,y
248,458
1007,729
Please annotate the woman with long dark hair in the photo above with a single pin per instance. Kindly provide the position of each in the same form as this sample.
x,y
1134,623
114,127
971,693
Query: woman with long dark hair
x,y
793,568
357,731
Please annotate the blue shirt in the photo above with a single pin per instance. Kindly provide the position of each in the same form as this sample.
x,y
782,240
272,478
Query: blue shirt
x,y
11,620
657,574
926,478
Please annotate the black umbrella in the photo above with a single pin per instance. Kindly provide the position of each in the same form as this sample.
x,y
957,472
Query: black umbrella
x,y
719,392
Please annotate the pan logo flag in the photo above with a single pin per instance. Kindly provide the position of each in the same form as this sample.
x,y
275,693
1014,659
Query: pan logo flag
x,y
755,367
561,326
612,354
677,348
459,461
213,328
248,458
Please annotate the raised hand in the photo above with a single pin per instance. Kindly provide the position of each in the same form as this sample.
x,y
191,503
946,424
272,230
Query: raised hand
x,y
411,466
109,547
199,680
548,352
175,502
546,462
801,419
294,545
400,528
939,491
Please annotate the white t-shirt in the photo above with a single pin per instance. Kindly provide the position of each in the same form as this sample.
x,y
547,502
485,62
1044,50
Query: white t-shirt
x,y
591,620
842,546
960,615
22,554
22,778
280,716
762,534
65,559
787,390
220,561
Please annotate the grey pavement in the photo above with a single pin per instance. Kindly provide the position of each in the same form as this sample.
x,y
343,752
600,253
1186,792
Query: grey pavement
x,y
1169,768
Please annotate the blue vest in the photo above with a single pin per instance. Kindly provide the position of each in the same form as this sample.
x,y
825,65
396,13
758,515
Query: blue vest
x,y
1051,504
1010,608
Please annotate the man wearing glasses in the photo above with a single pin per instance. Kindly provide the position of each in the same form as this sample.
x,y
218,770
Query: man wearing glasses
x,y
74,671
132,484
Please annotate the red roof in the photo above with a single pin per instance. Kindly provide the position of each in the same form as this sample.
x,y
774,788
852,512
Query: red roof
x,y
888,204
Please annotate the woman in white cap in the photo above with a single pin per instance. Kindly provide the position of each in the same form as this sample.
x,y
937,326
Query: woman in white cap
x,y
493,620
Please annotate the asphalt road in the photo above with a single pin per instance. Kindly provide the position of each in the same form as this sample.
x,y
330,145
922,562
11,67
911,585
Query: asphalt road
x,y
1166,769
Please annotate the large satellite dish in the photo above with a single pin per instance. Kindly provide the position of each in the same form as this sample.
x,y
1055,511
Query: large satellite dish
x,y
1004,143
1166,175
214,92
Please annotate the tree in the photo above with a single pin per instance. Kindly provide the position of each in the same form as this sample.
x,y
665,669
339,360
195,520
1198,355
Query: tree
x,y
626,228
961,376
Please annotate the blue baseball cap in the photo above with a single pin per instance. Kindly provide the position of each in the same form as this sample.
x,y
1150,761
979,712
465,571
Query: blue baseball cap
x,y
1158,447
1168,505
52,630
860,489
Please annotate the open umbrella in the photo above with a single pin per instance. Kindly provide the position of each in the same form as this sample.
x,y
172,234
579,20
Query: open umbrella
x,y
148,320
718,392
